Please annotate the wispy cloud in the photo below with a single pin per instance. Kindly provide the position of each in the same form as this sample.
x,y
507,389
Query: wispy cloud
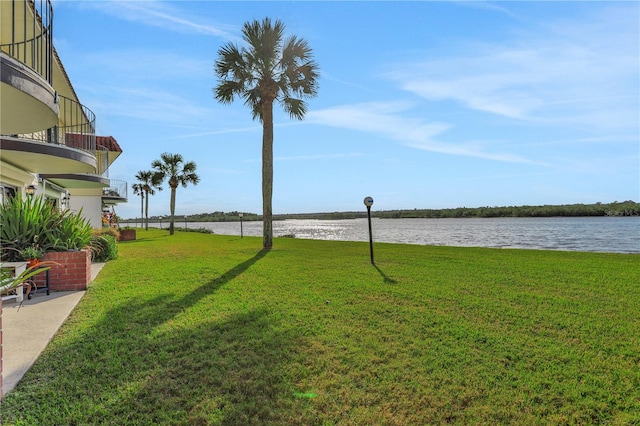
x,y
582,142
392,120
582,74
477,4
500,177
318,157
384,118
223,131
146,65
330,77
335,156
164,15
149,104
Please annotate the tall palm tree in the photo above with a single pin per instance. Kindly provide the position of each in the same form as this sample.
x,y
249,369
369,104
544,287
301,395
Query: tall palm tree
x,y
138,189
173,167
269,68
149,183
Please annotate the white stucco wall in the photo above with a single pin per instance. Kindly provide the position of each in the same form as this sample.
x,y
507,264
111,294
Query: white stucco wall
x,y
91,208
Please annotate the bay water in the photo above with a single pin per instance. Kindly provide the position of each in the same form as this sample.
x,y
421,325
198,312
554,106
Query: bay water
x,y
595,234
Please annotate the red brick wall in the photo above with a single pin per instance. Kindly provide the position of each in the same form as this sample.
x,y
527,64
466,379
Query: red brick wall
x,y
73,271
127,235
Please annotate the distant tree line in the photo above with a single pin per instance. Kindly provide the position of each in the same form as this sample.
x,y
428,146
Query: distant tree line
x,y
223,217
625,208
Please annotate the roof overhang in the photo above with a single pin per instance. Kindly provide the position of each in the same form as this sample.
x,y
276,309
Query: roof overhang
x,y
112,200
76,181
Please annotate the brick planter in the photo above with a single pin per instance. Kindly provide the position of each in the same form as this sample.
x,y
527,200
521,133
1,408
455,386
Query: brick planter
x,y
73,271
127,235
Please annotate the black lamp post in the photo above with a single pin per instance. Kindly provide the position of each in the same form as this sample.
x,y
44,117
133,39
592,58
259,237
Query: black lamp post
x,y
241,233
368,201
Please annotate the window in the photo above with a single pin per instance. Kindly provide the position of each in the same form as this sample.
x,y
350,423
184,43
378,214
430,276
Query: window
x,y
6,192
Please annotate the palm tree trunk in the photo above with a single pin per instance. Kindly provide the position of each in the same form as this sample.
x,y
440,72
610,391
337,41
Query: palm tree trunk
x,y
267,173
141,208
173,206
146,212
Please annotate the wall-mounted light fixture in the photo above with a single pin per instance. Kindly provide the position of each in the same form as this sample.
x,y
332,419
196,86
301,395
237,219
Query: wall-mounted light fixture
x,y
31,189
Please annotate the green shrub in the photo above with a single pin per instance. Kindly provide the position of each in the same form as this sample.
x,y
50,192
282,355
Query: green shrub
x,y
74,231
35,222
26,222
107,231
200,230
103,248
31,252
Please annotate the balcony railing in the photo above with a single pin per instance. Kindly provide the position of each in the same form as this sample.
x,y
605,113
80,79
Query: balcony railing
x,y
116,189
76,127
29,36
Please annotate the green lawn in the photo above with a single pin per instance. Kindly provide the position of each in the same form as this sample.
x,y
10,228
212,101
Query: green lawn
x,y
200,329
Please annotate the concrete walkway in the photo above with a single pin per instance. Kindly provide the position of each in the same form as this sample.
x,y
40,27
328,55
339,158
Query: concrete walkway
x,y
28,328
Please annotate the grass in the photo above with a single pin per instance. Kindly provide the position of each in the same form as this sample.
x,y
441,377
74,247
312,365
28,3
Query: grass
x,y
200,329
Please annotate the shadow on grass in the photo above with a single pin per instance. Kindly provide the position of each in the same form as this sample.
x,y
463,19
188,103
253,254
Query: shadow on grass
x,y
384,276
139,366
232,273
143,239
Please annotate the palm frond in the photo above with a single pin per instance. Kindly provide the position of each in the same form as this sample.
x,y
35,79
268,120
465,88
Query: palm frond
x,y
173,167
253,99
230,61
228,89
296,108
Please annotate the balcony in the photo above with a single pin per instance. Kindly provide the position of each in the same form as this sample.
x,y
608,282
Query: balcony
x,y
68,147
28,101
115,193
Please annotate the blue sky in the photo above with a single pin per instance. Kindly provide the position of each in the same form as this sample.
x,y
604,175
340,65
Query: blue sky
x,y
420,104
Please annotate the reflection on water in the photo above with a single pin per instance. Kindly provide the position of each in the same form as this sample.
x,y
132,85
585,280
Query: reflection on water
x,y
599,234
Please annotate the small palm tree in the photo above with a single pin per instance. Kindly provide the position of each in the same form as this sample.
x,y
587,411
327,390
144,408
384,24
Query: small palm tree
x,y
173,167
270,68
138,189
149,182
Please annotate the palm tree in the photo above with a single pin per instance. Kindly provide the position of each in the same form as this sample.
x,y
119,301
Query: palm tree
x,y
138,189
269,68
149,182
173,167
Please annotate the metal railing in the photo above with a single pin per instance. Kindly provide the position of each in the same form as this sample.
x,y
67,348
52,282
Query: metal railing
x,y
76,127
116,189
30,34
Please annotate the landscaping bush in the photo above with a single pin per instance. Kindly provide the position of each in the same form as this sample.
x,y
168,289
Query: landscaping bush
x,y
200,230
103,248
35,222
74,231
114,232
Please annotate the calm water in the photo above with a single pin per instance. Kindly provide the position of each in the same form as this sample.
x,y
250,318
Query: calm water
x,y
598,234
